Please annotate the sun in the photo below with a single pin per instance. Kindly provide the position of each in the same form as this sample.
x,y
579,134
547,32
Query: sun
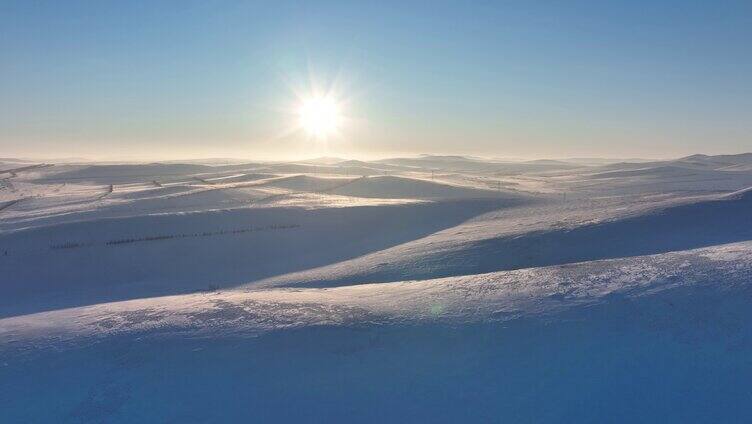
x,y
319,116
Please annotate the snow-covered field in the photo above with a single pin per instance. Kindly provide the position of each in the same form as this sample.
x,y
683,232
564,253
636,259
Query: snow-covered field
x,y
429,289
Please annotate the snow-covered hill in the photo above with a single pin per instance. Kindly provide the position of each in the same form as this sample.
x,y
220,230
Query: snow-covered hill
x,y
580,342
429,289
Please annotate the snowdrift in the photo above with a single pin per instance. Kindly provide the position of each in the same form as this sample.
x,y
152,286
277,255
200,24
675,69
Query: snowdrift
x,y
657,172
529,345
82,262
295,168
184,292
465,164
305,183
96,172
408,188
725,219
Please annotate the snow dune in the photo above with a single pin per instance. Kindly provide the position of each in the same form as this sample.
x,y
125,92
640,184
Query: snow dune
x,y
90,270
408,188
327,290
300,183
510,241
658,172
528,345
498,296
96,172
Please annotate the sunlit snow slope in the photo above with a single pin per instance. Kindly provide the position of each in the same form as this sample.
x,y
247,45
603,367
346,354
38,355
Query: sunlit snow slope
x,y
429,289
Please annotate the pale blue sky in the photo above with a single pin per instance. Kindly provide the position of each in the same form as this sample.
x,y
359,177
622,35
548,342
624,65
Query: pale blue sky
x,y
156,80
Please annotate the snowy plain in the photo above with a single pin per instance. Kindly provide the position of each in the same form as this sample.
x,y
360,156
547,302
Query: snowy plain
x,y
428,289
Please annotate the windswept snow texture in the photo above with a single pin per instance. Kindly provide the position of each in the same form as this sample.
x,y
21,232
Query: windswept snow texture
x,y
429,289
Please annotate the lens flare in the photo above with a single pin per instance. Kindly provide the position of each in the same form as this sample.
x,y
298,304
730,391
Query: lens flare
x,y
319,116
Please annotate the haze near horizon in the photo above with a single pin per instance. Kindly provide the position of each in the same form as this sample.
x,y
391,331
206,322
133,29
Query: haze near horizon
x,y
156,81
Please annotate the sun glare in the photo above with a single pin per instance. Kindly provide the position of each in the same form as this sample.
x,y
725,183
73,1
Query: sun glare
x,y
319,116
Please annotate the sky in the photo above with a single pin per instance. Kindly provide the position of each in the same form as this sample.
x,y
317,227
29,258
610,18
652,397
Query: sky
x,y
150,80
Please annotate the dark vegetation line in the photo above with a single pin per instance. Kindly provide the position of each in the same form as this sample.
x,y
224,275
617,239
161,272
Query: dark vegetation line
x,y
203,181
25,168
9,204
115,242
99,177
110,189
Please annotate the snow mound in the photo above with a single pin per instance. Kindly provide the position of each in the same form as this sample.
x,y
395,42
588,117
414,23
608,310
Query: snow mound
x,y
96,260
153,192
668,171
302,183
743,194
495,296
139,170
241,178
408,188
168,293
473,349
468,164
301,168
722,219
717,161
